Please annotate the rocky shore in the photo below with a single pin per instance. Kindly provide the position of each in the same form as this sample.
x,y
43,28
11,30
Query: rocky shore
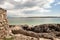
x,y
47,31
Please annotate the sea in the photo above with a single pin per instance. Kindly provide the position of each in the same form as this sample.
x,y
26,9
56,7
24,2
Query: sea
x,y
32,21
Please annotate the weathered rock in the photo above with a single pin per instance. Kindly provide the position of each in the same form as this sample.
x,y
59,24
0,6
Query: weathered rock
x,y
3,23
45,28
48,31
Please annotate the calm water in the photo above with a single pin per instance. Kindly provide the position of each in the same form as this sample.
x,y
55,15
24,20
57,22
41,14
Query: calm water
x,y
33,21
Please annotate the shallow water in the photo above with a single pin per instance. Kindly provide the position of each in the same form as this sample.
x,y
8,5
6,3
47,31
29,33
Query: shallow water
x,y
33,21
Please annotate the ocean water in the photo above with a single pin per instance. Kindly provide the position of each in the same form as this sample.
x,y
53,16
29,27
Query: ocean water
x,y
33,21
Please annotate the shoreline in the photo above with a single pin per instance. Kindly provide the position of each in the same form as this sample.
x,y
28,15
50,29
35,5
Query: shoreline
x,y
35,24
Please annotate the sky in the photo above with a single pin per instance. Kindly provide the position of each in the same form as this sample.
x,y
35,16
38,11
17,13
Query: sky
x,y
31,8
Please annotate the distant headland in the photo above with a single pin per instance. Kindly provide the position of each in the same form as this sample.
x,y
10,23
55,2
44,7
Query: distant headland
x,y
45,17
38,17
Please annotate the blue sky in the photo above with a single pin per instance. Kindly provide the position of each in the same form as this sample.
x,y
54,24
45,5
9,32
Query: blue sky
x,y
29,8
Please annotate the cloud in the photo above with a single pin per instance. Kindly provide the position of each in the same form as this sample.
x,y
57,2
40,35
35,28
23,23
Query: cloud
x,y
33,3
34,10
15,13
7,5
58,3
26,7
17,0
2,1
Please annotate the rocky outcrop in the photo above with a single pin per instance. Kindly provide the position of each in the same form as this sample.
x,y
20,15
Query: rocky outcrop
x,y
49,31
44,28
3,23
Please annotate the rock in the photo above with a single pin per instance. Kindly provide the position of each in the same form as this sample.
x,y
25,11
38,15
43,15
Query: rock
x,y
48,31
3,23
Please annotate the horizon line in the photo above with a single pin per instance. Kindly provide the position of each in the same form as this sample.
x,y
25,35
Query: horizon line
x,y
42,17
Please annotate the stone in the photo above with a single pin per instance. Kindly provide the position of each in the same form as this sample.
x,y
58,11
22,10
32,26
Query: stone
x,y
3,23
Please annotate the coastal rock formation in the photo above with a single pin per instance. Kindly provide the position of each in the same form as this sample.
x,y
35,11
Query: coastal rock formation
x,y
48,31
3,23
44,28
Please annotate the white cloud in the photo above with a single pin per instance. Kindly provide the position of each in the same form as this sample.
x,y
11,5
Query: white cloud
x,y
51,1
15,13
21,1
48,4
44,10
31,7
17,0
7,5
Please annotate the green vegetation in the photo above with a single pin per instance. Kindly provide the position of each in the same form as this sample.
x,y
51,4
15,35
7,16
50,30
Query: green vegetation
x,y
9,38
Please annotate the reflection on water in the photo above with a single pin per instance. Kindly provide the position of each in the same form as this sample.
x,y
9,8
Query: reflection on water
x,y
33,21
